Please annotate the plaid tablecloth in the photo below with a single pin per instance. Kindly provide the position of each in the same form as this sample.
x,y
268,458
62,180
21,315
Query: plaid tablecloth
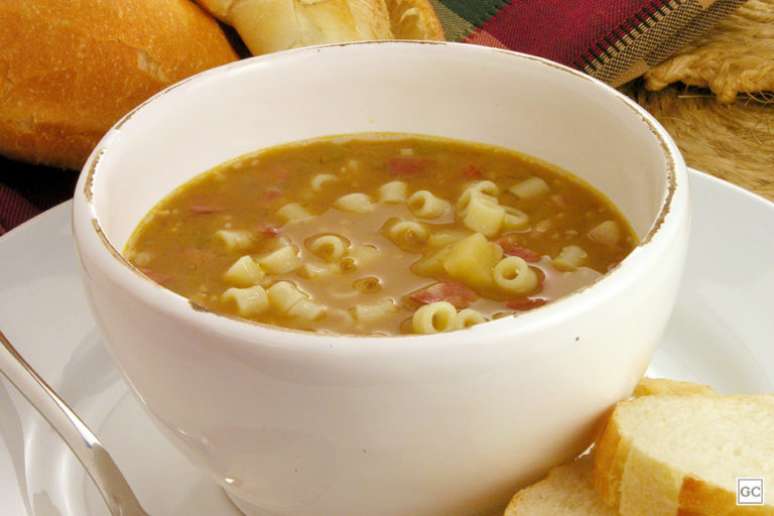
x,y
613,40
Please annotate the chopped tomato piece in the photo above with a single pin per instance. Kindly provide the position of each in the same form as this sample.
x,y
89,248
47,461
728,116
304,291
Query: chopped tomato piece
x,y
472,172
407,165
204,209
511,248
526,303
272,193
158,277
455,293
268,230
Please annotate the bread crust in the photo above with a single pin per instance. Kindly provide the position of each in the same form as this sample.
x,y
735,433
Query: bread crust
x,y
69,70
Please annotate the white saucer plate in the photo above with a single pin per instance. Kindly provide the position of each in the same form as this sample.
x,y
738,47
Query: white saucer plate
x,y
721,334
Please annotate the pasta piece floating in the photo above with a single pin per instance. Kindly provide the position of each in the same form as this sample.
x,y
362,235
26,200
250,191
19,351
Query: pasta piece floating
x,y
515,218
359,256
426,205
293,212
446,237
368,285
570,258
306,310
249,301
320,180
355,202
471,261
484,215
283,260
283,295
329,247
469,317
606,233
370,313
393,192
530,188
244,273
486,188
408,234
513,275
314,271
235,240
435,318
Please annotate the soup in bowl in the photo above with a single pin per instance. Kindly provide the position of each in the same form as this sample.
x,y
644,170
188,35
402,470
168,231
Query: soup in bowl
x,y
382,278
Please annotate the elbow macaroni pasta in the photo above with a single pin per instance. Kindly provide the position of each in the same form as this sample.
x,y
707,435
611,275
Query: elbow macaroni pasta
x,y
484,215
235,240
435,317
425,205
393,192
355,202
408,234
244,273
513,275
329,247
530,188
283,260
293,212
570,258
249,301
469,317
319,181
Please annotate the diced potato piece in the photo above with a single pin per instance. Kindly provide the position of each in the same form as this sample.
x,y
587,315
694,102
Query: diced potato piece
x,y
281,261
530,188
432,265
471,261
235,240
606,233
306,310
570,258
370,313
293,212
484,216
283,295
249,301
446,237
244,273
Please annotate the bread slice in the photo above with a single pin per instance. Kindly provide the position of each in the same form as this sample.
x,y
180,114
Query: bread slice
x,y
678,454
663,386
272,25
69,70
568,490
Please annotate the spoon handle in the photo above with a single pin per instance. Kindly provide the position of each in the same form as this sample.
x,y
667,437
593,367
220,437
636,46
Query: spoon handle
x,y
99,465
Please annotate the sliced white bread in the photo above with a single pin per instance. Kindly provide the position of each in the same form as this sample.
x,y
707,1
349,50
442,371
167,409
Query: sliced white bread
x,y
568,490
681,455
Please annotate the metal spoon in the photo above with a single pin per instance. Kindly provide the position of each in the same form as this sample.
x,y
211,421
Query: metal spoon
x,y
99,465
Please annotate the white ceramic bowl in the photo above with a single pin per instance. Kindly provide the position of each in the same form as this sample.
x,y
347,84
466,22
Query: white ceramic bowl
x,y
294,423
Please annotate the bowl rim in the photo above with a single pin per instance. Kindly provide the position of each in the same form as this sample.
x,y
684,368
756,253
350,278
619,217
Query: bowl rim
x,y
254,333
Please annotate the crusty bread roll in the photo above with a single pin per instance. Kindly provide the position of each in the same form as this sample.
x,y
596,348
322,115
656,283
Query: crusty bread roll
x,y
272,25
69,70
